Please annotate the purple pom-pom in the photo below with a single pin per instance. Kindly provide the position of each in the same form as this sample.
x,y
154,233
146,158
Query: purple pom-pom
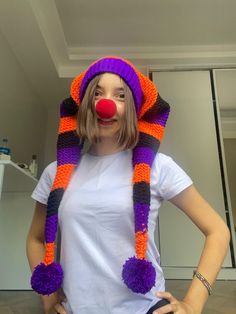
x,y
47,279
139,275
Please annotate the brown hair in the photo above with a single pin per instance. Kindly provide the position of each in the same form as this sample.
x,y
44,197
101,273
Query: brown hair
x,y
87,126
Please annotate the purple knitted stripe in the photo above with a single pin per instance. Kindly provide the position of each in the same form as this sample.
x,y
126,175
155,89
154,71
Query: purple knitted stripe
x,y
143,155
141,216
120,68
160,119
51,228
68,155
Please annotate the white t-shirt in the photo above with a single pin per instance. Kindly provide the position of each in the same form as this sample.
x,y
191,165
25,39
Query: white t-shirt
x,y
96,219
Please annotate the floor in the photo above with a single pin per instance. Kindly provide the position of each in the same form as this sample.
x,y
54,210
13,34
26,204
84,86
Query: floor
x,y
222,301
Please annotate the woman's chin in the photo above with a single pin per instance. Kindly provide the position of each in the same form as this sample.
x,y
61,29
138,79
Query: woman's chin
x,y
108,133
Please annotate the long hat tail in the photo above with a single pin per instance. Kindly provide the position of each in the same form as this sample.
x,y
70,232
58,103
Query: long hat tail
x,y
138,273
47,277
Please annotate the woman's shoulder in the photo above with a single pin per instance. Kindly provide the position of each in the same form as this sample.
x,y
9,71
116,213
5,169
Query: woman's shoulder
x,y
50,170
52,166
162,159
164,163
171,177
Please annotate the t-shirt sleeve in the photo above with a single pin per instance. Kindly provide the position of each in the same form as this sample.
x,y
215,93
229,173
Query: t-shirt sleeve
x,y
172,178
42,189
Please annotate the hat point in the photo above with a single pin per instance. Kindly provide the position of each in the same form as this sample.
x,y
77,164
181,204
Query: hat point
x,y
47,279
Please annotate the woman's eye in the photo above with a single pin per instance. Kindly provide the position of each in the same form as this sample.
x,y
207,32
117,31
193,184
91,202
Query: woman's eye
x,y
121,96
97,93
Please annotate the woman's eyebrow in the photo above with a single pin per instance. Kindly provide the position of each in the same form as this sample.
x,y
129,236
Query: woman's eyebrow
x,y
116,89
98,86
119,89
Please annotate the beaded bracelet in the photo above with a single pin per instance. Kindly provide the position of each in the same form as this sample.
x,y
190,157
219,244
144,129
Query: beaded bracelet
x,y
203,280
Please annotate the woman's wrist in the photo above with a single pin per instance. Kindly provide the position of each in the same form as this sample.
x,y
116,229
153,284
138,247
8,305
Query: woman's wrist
x,y
194,303
204,281
191,307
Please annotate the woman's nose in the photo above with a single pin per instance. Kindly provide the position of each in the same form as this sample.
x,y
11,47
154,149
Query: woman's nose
x,y
105,108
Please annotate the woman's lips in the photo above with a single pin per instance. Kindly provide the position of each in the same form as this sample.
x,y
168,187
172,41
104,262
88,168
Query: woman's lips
x,y
106,122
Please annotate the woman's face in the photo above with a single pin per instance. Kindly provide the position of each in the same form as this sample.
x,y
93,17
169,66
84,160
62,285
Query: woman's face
x,y
110,86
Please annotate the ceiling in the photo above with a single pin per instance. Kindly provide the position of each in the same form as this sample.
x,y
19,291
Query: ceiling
x,y
55,40
150,23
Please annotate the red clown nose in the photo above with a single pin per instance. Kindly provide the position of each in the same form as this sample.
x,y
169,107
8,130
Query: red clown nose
x,y
106,108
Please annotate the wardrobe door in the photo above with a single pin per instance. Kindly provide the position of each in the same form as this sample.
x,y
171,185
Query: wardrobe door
x,y
191,141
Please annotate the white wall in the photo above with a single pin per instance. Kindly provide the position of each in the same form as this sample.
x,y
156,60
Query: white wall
x,y
23,121
51,135
22,117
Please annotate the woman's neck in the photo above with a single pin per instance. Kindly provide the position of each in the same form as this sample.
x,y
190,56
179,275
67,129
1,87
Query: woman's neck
x,y
105,147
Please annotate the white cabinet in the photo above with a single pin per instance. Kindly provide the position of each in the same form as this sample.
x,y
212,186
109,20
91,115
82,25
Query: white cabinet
x,y
191,140
16,210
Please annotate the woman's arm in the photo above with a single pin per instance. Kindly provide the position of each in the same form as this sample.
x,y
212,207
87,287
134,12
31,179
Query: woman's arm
x,y
216,243
35,250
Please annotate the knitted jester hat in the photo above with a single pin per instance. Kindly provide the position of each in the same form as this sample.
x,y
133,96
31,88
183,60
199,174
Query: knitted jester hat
x,y
152,112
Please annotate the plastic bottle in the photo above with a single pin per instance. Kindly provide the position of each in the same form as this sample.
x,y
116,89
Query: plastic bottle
x,y
4,149
33,167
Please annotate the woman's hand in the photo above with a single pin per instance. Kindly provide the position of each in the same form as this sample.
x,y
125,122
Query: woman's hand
x,y
52,303
59,308
175,306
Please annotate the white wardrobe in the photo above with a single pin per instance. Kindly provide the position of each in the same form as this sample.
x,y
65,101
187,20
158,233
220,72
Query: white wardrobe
x,y
193,139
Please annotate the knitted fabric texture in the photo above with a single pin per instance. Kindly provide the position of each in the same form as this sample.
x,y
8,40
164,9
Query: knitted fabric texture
x,y
152,113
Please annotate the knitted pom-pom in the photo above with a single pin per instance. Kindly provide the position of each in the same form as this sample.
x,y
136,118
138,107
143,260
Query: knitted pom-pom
x,y
139,275
47,279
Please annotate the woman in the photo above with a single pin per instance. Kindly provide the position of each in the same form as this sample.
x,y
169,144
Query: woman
x,y
105,197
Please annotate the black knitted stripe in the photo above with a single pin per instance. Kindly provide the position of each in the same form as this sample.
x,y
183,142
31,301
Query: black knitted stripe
x,y
68,139
54,200
146,140
159,108
69,107
141,193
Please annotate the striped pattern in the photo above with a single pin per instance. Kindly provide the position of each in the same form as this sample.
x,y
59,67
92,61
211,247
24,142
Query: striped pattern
x,y
68,156
152,113
151,134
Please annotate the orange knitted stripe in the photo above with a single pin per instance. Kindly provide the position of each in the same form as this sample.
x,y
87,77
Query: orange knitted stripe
x,y
141,244
63,176
141,173
155,130
75,87
150,94
49,254
67,124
